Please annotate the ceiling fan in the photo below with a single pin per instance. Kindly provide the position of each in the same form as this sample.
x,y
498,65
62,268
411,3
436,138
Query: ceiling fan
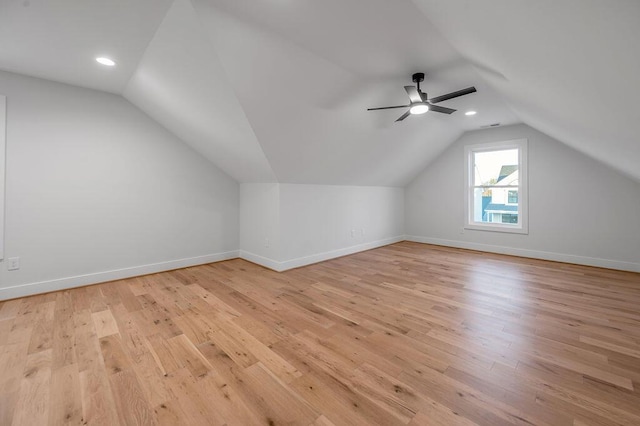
x,y
420,103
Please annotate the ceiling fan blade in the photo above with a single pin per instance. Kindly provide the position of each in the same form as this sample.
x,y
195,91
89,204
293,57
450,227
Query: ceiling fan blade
x,y
413,93
452,95
391,107
438,108
403,116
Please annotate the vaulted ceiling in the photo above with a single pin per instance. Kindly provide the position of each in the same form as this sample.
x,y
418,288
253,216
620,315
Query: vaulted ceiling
x,y
277,90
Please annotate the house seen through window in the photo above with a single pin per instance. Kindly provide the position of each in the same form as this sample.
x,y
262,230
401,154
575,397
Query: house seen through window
x,y
496,185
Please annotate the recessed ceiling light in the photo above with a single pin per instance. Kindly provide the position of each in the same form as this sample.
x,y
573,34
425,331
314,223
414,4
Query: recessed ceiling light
x,y
470,113
105,61
419,108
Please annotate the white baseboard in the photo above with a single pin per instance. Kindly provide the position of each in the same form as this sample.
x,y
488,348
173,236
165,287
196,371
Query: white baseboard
x,y
117,274
260,260
320,257
535,254
315,258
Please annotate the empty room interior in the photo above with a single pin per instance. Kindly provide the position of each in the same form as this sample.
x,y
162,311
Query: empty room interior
x,y
329,212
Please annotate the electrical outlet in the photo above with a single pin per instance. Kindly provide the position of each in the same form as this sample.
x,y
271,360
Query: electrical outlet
x,y
362,232
13,263
266,242
353,233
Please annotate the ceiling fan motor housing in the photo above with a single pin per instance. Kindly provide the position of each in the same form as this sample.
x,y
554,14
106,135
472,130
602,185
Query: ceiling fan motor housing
x,y
418,77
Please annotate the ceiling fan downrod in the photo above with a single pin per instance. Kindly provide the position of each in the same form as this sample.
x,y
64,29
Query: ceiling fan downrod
x,y
418,78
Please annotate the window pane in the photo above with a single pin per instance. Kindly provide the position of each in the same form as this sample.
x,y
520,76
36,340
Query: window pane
x,y
488,208
509,218
496,167
495,204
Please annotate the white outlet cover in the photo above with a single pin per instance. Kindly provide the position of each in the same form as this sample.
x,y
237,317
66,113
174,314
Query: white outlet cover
x,y
13,263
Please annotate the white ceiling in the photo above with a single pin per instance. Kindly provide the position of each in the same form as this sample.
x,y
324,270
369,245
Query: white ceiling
x,y
59,40
278,90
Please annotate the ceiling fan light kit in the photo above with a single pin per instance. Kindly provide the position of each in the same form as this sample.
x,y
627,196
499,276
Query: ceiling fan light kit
x,y
418,108
420,102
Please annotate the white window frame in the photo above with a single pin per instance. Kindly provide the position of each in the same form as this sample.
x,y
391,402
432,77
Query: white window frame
x,y
3,139
522,227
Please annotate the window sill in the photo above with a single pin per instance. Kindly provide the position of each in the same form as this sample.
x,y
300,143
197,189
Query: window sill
x,y
497,228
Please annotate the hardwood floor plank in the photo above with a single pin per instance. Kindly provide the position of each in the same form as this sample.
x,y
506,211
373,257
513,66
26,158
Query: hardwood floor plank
x,y
610,346
385,391
130,402
10,308
114,355
12,360
271,360
64,337
153,381
104,323
32,406
42,332
278,403
65,401
194,406
98,405
7,407
188,355
232,407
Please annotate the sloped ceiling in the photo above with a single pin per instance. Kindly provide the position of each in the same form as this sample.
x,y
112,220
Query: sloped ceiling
x,y
181,83
278,90
570,68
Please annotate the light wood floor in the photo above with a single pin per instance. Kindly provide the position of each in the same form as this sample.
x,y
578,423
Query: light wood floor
x,y
405,334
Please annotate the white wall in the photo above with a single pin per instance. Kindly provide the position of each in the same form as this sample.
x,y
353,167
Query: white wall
x,y
318,220
96,190
580,210
260,223
3,133
315,222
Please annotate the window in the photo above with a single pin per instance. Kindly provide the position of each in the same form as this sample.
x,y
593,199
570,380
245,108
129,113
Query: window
x,y
496,186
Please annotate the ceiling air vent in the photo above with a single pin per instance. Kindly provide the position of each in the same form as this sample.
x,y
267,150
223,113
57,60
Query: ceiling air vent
x,y
490,125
